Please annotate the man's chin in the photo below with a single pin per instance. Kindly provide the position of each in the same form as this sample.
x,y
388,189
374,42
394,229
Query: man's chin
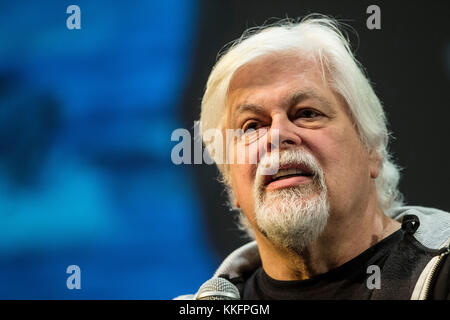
x,y
292,219
297,194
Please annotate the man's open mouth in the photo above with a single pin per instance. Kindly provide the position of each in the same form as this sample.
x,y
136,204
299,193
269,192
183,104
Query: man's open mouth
x,y
289,171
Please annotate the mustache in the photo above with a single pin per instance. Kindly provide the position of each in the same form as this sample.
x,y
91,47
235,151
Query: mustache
x,y
270,163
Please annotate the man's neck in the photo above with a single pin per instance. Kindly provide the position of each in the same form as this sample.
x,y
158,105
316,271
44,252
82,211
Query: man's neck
x,y
340,242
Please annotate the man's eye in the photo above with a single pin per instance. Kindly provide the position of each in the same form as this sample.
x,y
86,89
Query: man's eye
x,y
250,125
307,113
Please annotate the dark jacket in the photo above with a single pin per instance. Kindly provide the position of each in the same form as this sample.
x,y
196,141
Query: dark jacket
x,y
424,267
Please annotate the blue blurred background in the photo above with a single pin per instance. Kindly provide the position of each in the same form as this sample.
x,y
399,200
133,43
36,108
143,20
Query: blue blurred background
x,y
85,171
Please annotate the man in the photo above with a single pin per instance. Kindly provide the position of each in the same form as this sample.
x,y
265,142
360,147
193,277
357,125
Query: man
x,y
329,224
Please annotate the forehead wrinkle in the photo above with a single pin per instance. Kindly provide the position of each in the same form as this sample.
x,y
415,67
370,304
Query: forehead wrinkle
x,y
304,94
289,101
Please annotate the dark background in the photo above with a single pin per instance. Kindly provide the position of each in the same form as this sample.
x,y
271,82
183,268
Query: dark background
x,y
86,118
408,61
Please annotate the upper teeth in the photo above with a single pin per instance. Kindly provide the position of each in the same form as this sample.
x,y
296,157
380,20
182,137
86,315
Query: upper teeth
x,y
286,172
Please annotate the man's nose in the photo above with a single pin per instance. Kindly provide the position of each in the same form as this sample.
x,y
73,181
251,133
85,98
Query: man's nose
x,y
283,133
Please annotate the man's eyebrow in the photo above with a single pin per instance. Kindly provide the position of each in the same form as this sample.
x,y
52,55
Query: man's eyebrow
x,y
246,107
290,101
301,95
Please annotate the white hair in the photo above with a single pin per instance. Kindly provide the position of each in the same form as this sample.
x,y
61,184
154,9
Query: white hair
x,y
322,38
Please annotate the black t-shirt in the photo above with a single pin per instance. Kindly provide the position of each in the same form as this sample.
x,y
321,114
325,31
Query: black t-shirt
x,y
399,257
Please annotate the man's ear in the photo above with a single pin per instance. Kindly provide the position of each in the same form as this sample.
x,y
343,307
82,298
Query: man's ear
x,y
374,163
236,203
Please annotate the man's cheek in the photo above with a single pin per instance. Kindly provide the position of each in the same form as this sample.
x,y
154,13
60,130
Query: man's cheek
x,y
248,150
242,179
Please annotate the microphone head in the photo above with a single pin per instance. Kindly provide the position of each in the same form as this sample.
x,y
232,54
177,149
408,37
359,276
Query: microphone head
x,y
218,289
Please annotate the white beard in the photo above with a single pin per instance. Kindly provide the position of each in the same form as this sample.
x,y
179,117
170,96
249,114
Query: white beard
x,y
292,217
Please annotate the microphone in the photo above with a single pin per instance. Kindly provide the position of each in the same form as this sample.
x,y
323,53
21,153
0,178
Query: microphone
x,y
218,289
